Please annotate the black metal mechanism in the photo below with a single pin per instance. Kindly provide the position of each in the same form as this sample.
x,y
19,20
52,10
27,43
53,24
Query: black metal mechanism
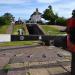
x,y
59,41
31,37
35,33
34,29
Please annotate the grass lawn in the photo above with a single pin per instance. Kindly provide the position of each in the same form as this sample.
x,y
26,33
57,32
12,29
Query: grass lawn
x,y
16,27
3,29
49,30
17,43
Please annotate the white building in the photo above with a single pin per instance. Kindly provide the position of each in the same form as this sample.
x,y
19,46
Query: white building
x,y
36,16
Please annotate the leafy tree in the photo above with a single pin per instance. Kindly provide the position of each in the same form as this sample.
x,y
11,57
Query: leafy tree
x,y
56,16
9,17
2,21
49,15
6,19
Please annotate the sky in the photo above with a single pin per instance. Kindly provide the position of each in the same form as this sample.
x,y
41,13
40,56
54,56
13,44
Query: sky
x,y
24,8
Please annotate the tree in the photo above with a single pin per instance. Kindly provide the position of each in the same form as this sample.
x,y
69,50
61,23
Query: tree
x,y
2,21
56,16
61,21
49,15
9,17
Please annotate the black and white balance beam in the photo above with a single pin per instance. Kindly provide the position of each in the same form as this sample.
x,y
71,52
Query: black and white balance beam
x,y
9,37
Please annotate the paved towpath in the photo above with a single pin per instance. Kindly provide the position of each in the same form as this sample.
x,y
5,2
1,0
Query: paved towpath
x,y
38,60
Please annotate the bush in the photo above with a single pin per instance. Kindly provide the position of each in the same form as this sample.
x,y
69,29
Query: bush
x,y
2,21
61,21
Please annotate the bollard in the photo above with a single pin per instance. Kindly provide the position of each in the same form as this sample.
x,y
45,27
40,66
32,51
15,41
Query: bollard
x,y
73,64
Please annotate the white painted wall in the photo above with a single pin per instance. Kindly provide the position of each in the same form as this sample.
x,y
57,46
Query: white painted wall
x,y
5,37
36,18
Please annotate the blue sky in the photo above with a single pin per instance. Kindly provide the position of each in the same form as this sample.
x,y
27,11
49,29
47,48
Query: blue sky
x,y
24,8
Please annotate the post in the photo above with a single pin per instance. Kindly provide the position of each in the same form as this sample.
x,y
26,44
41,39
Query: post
x,y
73,64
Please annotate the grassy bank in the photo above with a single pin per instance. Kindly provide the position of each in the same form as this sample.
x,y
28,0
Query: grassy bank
x,y
49,30
17,43
3,29
16,27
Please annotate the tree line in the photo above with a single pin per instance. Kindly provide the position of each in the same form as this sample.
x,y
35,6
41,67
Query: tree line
x,y
6,19
52,18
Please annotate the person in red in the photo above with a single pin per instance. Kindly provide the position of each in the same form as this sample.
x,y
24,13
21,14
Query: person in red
x,y
71,40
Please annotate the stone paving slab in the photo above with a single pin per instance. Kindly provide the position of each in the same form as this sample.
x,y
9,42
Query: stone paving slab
x,y
3,61
42,71
41,63
26,64
21,54
38,72
2,72
5,58
37,63
29,64
56,70
17,72
16,65
6,54
68,68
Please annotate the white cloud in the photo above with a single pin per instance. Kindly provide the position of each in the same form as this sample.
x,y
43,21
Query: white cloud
x,y
47,1
64,8
13,1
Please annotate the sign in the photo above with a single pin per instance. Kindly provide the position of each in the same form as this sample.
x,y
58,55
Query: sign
x,y
5,37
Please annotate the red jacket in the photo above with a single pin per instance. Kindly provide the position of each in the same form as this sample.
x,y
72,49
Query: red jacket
x,y
70,24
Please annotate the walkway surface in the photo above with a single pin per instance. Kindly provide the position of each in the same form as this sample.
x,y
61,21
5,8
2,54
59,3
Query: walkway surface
x,y
38,60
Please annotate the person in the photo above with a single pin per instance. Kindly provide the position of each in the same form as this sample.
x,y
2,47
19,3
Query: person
x,y
71,40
